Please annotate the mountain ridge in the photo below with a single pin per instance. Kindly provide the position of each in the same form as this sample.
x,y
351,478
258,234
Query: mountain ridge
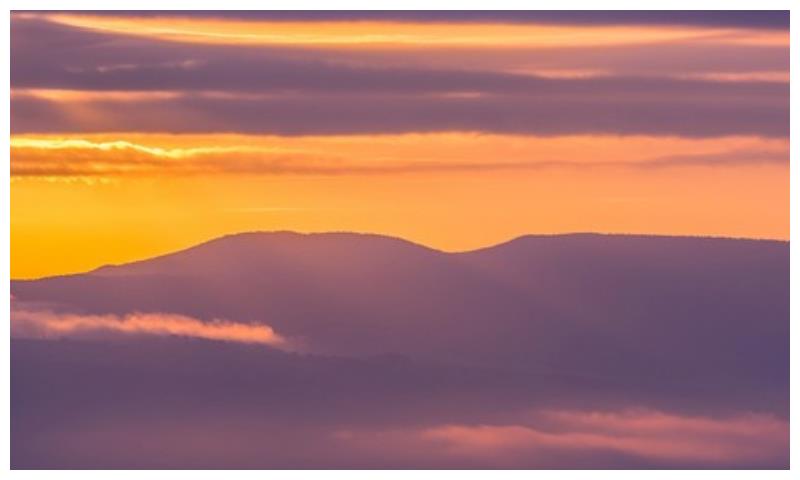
x,y
606,295
277,235
670,323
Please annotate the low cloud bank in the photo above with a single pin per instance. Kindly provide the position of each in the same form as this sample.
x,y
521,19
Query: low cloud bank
x,y
28,322
556,438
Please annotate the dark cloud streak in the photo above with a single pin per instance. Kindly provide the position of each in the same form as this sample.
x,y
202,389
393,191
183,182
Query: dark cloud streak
x,y
307,91
48,56
762,19
351,114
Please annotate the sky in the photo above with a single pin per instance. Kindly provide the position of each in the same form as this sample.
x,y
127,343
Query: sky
x,y
342,240
136,133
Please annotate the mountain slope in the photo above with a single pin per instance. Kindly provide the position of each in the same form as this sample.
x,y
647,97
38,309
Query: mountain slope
x,y
621,307
401,356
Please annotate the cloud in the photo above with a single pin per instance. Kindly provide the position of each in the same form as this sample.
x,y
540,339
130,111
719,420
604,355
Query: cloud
x,y
241,70
599,439
113,155
48,55
367,33
747,19
27,322
141,403
713,88
360,114
237,73
723,158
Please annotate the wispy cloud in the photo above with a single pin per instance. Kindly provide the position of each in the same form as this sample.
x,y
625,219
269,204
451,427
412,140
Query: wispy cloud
x,y
31,322
379,34
552,436
674,73
142,155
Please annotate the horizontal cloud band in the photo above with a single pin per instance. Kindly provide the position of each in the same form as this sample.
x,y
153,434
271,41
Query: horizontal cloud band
x,y
32,323
150,64
767,19
667,81
344,114
113,155
585,437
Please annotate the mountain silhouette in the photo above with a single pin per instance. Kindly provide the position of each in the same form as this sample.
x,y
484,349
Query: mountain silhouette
x,y
565,302
679,324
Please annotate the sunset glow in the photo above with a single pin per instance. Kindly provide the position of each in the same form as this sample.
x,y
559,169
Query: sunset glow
x,y
378,240
377,34
637,184
457,133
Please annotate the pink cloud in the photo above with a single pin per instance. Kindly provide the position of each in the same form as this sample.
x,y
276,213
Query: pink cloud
x,y
652,436
41,323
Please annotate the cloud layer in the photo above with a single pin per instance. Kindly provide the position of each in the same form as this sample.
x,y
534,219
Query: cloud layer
x,y
696,80
153,404
138,155
27,322
651,436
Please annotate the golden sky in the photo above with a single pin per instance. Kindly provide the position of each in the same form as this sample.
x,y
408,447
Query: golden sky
x,y
148,135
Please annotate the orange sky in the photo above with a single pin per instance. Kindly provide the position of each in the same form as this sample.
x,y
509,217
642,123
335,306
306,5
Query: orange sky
x,y
379,34
146,144
451,191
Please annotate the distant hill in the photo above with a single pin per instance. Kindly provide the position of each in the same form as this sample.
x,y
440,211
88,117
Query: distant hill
x,y
396,334
564,302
